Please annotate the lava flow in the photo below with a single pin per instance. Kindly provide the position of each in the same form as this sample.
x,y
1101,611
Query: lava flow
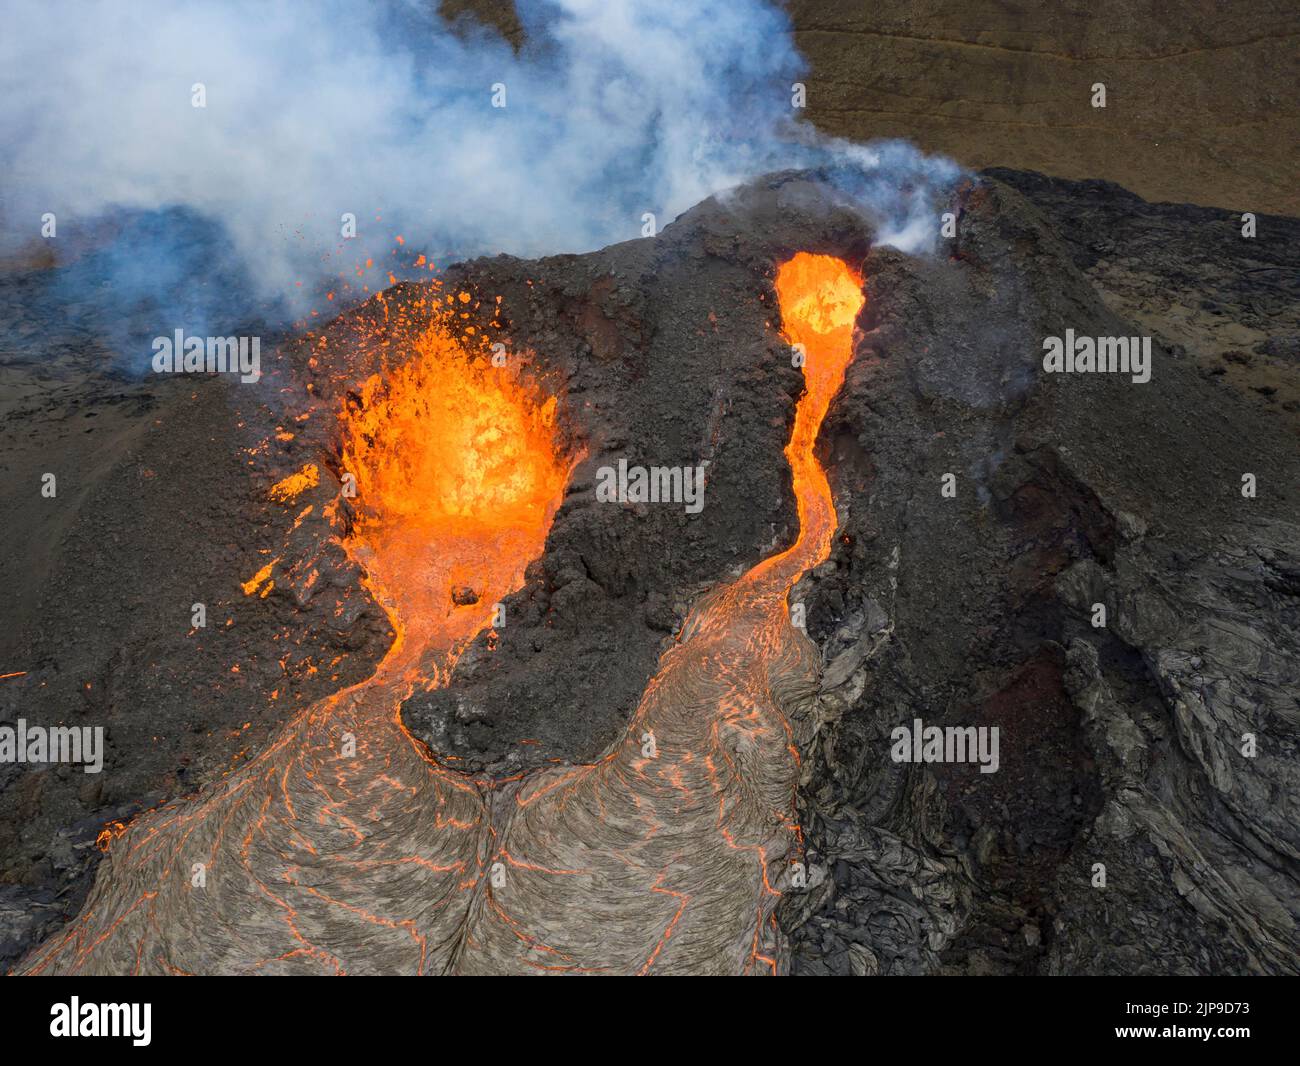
x,y
667,855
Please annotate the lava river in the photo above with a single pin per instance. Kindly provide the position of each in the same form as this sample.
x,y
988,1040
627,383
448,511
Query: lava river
x,y
345,848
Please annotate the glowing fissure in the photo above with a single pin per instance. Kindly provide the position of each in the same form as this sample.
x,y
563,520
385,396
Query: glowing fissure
x,y
667,855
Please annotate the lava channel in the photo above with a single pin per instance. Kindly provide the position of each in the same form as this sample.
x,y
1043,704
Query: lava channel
x,y
345,848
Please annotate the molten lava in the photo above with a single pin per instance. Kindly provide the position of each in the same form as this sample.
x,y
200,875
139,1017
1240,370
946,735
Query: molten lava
x,y
344,848
820,297
457,476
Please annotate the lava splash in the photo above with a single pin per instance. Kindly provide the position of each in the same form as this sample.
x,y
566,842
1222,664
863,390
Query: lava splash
x,y
342,847
458,473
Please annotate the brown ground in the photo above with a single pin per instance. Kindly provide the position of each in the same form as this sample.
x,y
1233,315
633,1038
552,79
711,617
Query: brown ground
x,y
1201,94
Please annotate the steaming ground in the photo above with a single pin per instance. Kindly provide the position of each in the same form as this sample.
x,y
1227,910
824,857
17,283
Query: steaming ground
x,y
1119,746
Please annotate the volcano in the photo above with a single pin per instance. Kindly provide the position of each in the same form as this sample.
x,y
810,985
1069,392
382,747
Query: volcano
x,y
453,710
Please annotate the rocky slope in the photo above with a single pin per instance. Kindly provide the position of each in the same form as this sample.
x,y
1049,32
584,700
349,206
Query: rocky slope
x,y
1121,745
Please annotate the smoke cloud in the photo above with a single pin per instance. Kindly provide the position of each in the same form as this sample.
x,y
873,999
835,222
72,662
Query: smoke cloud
x,y
321,109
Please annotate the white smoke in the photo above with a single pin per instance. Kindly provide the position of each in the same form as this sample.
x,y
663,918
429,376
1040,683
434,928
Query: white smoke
x,y
614,108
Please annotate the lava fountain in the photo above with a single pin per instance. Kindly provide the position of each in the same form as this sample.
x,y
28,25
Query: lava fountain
x,y
668,855
457,476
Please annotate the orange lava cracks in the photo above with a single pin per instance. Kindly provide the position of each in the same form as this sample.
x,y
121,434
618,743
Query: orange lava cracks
x,y
344,847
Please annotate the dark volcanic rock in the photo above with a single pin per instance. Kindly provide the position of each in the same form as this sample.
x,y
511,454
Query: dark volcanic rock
x,y
161,505
1122,746
1126,746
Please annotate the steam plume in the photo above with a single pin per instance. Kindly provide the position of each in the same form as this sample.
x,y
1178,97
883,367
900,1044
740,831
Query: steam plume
x,y
313,110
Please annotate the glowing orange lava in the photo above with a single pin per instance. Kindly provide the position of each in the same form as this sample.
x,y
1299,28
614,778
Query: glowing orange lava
x,y
296,483
457,475
820,297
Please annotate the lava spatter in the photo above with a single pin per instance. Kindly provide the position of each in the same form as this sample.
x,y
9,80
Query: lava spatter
x,y
346,848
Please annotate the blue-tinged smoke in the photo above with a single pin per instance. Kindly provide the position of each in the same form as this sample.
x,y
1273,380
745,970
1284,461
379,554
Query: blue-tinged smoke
x,y
316,110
